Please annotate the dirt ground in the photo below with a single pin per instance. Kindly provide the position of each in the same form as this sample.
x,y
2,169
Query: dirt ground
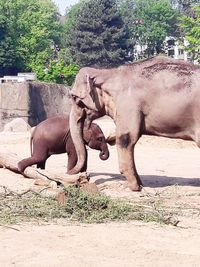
x,y
170,171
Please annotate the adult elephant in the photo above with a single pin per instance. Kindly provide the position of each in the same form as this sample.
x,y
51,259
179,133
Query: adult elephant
x,y
159,96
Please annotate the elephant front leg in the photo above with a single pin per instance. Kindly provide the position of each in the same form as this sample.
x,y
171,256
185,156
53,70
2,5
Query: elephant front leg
x,y
72,160
126,137
127,167
72,157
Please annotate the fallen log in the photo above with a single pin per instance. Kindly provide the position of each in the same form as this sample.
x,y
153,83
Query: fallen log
x,y
10,161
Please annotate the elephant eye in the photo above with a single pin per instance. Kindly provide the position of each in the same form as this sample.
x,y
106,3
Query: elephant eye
x,y
80,104
73,96
78,101
100,139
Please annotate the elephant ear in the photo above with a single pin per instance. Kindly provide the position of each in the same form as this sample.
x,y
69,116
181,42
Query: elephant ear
x,y
90,83
87,133
83,91
98,81
88,96
80,86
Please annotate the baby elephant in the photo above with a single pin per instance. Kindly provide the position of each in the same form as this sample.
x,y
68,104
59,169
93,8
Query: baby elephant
x,y
52,136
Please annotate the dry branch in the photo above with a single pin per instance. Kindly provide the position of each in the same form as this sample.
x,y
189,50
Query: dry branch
x,y
10,161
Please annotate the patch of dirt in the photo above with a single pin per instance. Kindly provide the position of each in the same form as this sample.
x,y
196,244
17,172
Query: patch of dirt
x,y
170,171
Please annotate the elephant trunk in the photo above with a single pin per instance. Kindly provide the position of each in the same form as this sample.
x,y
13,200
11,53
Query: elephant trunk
x,y
77,117
104,154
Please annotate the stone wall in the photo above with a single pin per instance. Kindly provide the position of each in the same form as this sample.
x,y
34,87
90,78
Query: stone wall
x,y
33,102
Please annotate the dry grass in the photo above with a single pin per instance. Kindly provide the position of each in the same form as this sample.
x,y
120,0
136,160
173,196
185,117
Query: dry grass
x,y
79,206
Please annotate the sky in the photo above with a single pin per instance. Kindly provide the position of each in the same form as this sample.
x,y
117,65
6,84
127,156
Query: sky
x,y
62,4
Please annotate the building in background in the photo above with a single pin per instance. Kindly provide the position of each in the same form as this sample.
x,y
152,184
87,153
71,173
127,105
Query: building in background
x,y
21,77
172,48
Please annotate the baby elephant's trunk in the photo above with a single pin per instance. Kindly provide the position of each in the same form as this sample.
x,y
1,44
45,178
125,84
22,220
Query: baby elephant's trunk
x,y
104,154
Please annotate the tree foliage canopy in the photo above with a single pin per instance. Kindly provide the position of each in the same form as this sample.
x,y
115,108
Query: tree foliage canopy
x,y
30,40
32,27
191,30
185,6
150,22
99,36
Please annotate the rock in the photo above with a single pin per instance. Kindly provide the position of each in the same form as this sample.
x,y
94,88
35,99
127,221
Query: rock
x,y
17,125
90,188
61,198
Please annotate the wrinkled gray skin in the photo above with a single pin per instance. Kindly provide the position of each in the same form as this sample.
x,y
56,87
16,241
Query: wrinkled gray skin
x,y
52,136
159,96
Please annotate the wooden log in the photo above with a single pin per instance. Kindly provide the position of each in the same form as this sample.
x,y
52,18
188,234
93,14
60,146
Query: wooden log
x,y
10,161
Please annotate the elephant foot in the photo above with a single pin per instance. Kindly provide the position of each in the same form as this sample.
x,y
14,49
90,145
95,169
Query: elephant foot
x,y
133,186
20,167
139,181
72,171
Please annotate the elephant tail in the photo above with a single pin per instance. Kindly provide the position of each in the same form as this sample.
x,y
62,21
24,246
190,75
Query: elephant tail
x,y
31,139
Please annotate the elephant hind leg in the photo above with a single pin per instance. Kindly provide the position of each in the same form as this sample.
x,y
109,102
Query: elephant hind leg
x,y
40,160
24,163
41,165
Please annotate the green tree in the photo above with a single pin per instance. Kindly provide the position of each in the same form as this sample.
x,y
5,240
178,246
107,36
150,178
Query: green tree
x,y
72,15
99,36
7,47
150,22
59,70
30,29
185,6
191,31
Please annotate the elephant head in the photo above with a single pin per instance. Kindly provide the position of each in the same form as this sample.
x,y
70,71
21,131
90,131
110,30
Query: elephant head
x,y
87,92
95,139
87,105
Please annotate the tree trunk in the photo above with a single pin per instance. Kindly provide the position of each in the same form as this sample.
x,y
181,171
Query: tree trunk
x,y
10,161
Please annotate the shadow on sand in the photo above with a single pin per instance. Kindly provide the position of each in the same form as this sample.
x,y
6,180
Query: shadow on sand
x,y
153,181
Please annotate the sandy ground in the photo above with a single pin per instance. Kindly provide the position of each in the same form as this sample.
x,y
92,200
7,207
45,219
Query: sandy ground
x,y
170,170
